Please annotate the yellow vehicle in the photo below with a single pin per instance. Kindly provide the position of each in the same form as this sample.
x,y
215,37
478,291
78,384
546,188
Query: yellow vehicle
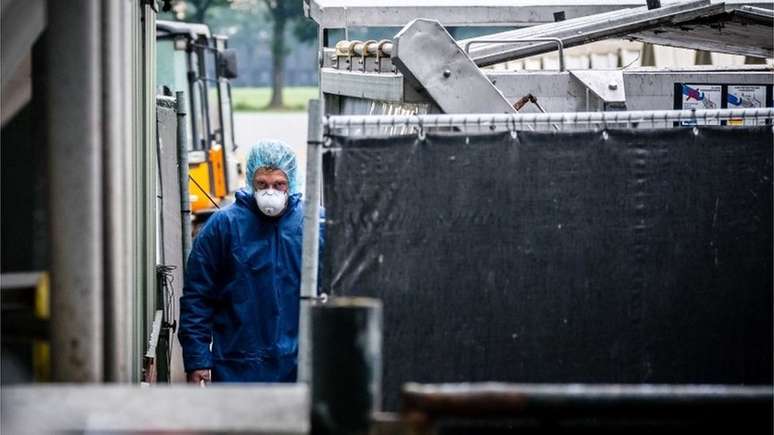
x,y
191,59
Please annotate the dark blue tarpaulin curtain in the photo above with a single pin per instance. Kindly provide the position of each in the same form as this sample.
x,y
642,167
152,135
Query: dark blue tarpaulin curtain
x,y
636,256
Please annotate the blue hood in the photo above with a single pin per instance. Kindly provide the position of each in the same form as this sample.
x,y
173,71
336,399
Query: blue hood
x,y
272,154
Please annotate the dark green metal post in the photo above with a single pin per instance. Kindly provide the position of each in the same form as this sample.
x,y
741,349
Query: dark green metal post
x,y
346,365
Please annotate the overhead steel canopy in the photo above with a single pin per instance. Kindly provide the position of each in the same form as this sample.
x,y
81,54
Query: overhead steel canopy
x,y
747,31
697,24
397,13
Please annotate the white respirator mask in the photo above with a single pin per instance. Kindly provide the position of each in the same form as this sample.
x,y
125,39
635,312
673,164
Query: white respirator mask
x,y
271,202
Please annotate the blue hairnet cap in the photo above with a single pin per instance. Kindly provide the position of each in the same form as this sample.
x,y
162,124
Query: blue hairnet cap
x,y
272,154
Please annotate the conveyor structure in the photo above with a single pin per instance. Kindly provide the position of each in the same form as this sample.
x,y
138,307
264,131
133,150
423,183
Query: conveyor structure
x,y
424,70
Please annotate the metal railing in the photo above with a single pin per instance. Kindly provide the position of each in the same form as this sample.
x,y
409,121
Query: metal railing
x,y
557,41
481,122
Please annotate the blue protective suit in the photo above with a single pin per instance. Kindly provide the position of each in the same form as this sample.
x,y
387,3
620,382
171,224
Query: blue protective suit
x,y
241,291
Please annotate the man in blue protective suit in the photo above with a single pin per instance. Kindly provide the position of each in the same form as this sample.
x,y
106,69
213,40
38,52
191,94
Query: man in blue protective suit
x,y
242,279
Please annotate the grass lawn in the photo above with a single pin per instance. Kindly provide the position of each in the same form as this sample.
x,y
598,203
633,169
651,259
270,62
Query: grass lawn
x,y
256,99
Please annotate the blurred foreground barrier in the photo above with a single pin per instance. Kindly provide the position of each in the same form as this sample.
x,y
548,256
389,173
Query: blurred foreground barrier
x,y
576,408
255,409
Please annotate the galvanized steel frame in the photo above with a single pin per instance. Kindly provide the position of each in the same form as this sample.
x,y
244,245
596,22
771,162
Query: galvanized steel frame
x,y
311,240
647,88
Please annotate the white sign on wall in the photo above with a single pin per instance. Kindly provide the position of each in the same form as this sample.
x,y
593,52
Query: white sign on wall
x,y
699,97
746,97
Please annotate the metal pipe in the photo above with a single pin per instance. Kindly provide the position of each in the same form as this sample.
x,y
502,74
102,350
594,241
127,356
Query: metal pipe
x,y
312,203
567,118
131,99
367,48
342,48
347,47
148,256
372,48
311,247
75,186
182,168
117,137
358,48
557,41
385,48
197,124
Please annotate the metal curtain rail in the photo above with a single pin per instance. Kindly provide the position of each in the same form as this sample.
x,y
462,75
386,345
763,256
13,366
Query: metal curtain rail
x,y
528,119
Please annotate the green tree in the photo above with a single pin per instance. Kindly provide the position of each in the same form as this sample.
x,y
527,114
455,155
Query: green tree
x,y
196,10
281,13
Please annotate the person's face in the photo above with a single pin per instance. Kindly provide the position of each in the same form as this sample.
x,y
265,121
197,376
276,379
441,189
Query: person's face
x,y
270,178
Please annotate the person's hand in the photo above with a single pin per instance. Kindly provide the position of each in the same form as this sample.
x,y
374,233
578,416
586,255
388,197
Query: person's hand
x,y
199,377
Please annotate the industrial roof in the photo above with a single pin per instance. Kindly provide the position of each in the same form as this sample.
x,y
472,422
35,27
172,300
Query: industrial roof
x,y
695,24
747,31
397,13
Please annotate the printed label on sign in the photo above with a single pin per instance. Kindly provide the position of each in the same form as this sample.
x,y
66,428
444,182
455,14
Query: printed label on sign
x,y
746,97
701,97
